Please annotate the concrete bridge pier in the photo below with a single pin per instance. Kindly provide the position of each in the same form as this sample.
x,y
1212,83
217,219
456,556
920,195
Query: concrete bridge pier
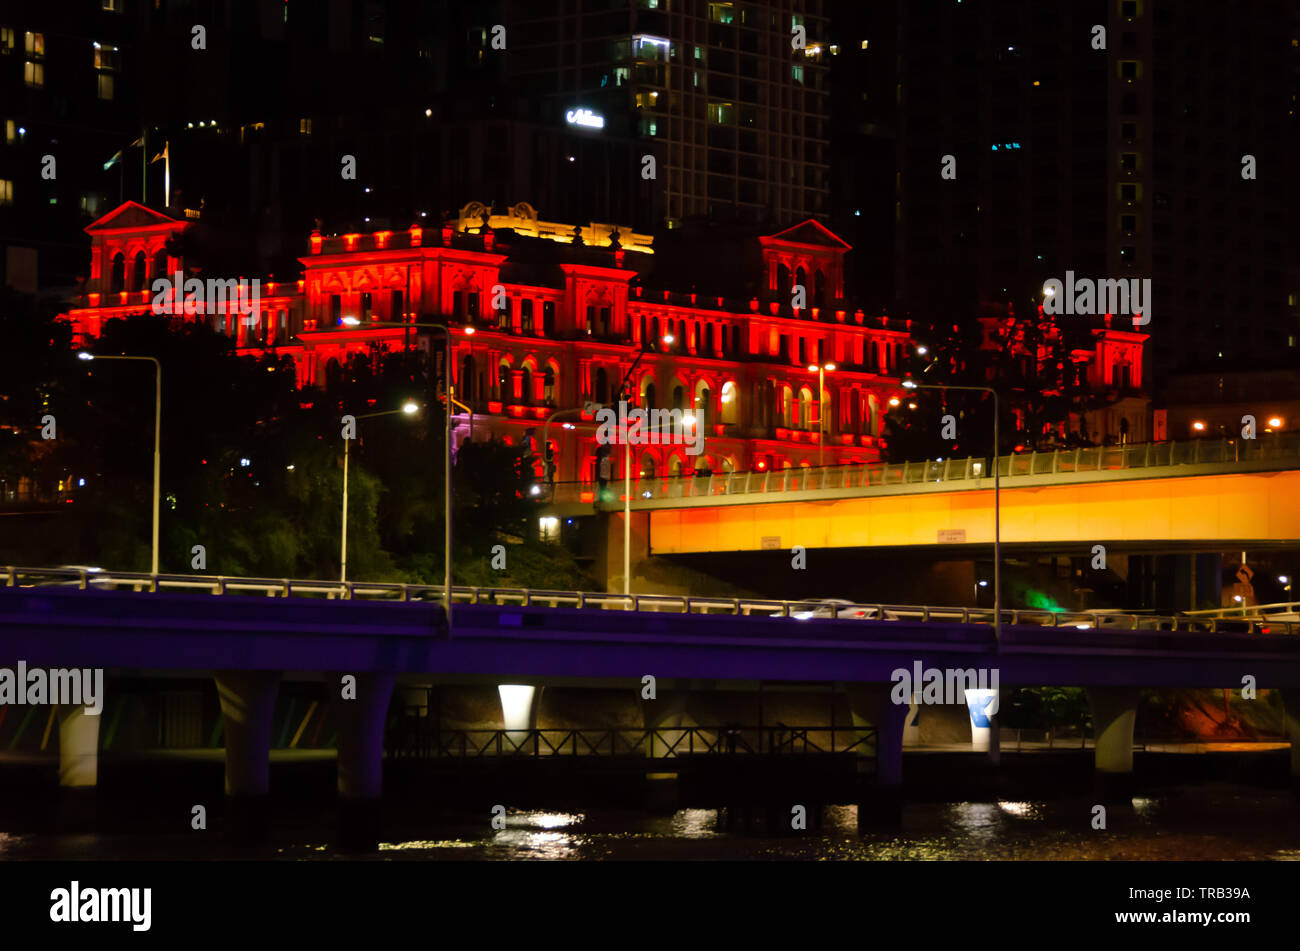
x,y
361,723
666,712
1291,715
247,704
78,767
880,803
1114,711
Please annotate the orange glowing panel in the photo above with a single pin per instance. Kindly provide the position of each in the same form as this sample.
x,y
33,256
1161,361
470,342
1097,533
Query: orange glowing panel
x,y
586,496
381,238
350,241
494,407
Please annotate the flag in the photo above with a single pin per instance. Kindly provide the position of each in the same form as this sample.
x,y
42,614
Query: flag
x,y
161,155
113,161
138,143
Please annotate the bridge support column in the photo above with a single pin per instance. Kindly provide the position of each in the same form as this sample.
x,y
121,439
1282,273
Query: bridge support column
x,y
519,706
665,712
880,804
247,705
1114,711
78,767
361,760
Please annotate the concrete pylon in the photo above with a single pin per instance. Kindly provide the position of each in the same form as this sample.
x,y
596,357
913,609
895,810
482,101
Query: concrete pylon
x,y
1114,712
667,711
1291,716
78,767
871,705
247,706
361,721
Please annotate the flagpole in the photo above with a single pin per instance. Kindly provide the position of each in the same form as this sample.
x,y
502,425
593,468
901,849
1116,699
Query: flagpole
x,y
144,167
167,171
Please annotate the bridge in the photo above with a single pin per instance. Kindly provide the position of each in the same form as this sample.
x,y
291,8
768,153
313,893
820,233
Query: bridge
x,y
249,633
1221,492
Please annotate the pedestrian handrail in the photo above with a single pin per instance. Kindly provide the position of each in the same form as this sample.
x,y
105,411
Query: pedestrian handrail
x,y
14,576
1269,449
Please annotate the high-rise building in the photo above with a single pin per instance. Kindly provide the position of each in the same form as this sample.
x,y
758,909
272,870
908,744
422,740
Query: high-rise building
x,y
1112,138
730,99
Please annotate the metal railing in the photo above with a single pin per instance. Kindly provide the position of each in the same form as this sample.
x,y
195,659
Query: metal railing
x,y
88,579
407,739
970,472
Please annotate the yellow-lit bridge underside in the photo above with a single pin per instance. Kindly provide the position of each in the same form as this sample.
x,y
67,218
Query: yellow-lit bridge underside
x,y
1257,507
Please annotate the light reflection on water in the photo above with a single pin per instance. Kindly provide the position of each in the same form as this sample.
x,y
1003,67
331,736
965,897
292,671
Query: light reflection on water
x,y
1214,823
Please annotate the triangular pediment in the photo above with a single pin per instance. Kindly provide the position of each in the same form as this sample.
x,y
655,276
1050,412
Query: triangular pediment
x,y
131,215
809,232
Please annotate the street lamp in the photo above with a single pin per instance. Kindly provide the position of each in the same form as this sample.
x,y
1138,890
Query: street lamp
x,y
157,440
447,336
409,408
821,372
997,499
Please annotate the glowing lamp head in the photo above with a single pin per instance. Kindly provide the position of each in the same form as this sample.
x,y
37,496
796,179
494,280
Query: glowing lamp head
x,y
1283,579
351,322
410,407
1275,422
1049,291
469,331
893,401
535,490
1198,426
85,355
909,384
923,350
812,368
688,419
669,338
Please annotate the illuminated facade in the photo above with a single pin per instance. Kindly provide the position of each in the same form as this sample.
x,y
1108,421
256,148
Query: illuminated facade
x,y
548,316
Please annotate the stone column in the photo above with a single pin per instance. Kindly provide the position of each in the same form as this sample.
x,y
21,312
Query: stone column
x,y
247,705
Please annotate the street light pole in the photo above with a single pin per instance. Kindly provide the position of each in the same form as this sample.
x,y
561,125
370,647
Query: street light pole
x,y
997,499
822,370
409,408
157,442
446,515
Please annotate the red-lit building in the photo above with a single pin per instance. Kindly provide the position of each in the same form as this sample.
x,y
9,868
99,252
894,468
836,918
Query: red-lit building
x,y
548,316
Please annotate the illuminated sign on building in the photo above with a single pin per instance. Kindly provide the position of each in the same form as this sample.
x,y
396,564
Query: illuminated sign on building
x,y
585,117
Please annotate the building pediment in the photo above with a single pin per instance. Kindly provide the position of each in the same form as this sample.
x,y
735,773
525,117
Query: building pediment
x,y
132,216
808,233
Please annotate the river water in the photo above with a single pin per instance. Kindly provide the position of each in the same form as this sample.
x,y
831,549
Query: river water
x,y
1213,822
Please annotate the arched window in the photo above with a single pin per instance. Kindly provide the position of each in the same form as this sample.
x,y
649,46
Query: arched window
x,y
117,277
708,340
675,465
704,402
526,388
819,288
783,281
805,408
787,406
138,277
730,403
160,263
601,389
468,383
647,466
505,381
679,397
648,392
548,383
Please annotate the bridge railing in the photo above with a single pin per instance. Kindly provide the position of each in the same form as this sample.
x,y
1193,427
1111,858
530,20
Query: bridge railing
x,y
411,737
1282,447
90,579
